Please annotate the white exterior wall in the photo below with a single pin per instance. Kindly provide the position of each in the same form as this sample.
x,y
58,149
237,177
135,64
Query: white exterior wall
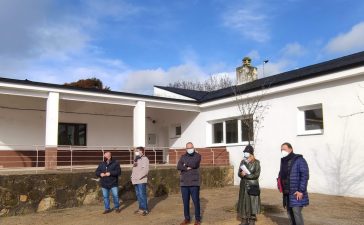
x,y
113,130
334,157
25,127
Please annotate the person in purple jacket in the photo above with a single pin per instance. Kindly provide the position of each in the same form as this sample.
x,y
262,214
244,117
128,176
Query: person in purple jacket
x,y
189,167
293,176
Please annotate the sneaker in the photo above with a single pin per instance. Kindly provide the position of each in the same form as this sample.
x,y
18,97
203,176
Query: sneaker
x,y
197,222
117,210
139,211
185,222
145,212
107,211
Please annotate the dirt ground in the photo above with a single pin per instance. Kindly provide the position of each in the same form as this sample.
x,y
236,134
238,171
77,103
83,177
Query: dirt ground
x,y
217,209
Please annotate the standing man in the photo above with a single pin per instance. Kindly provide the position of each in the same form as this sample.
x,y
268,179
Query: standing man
x,y
139,178
292,182
189,165
109,171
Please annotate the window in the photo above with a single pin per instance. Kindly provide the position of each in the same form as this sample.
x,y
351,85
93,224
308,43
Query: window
x,y
72,134
314,119
178,130
231,131
310,120
217,133
247,129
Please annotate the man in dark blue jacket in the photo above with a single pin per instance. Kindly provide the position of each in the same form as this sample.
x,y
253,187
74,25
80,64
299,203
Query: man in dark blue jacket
x,y
294,175
109,171
189,165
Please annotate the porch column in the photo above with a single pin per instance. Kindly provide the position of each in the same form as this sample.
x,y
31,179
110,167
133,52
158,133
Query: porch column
x,y
51,134
139,124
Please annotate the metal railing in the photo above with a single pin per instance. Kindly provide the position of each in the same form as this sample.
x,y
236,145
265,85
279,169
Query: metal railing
x,y
20,157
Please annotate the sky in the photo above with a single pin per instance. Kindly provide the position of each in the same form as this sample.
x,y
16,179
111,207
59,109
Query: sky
x,y
133,45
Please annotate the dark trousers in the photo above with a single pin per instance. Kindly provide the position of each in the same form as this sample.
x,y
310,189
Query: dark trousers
x,y
194,192
295,215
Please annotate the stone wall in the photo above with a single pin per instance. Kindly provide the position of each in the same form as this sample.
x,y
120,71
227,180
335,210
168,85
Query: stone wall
x,y
21,194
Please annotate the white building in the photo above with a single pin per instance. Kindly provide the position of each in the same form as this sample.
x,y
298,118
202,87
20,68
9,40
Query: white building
x,y
318,109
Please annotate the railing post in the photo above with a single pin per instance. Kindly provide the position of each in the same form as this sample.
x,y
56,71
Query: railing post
x,y
176,156
36,163
155,157
71,158
102,157
131,157
213,156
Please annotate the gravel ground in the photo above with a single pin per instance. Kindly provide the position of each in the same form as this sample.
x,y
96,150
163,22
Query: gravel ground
x,y
217,209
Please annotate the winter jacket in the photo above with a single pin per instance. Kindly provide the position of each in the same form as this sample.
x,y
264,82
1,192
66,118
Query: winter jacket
x,y
114,168
248,204
298,180
140,171
189,177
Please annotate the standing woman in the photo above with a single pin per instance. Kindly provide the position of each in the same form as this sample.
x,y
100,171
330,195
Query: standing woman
x,y
249,193
139,178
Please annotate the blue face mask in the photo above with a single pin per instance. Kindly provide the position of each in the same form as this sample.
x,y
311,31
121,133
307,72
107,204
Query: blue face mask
x,y
190,151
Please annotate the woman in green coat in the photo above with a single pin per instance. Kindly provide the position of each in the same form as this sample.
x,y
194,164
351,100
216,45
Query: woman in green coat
x,y
249,194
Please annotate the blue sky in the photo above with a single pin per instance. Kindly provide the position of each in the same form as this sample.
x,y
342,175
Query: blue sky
x,y
133,45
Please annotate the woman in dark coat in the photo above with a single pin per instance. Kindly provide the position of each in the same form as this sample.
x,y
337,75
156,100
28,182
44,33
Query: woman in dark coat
x,y
249,194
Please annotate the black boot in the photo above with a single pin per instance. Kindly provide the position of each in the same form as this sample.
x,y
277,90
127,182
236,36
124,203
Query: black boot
x,y
247,221
244,222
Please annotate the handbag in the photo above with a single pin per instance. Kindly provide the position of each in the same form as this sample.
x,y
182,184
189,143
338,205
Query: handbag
x,y
279,184
253,190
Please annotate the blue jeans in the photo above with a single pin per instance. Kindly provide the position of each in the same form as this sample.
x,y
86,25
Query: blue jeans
x,y
141,194
115,196
194,192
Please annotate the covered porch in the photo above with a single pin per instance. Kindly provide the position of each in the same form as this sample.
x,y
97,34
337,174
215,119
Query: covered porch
x,y
56,128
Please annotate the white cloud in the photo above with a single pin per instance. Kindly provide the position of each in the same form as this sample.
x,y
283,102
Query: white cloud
x,y
249,20
293,50
274,67
60,41
348,42
142,81
253,54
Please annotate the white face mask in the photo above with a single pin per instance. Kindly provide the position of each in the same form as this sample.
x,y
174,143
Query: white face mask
x,y
246,155
190,150
137,153
284,153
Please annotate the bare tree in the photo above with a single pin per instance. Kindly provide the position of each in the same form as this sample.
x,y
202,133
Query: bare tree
x,y
211,84
252,112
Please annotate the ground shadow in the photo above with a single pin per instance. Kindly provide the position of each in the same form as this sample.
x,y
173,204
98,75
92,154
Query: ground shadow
x,y
155,200
126,203
203,205
276,213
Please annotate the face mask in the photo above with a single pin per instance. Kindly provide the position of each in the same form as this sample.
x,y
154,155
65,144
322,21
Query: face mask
x,y
190,151
246,154
137,153
284,154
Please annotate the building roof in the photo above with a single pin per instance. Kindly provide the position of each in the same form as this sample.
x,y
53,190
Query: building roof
x,y
93,90
197,95
304,73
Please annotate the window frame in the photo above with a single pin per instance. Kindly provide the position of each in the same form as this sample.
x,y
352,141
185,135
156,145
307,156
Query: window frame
x,y
210,137
222,132
72,124
301,120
